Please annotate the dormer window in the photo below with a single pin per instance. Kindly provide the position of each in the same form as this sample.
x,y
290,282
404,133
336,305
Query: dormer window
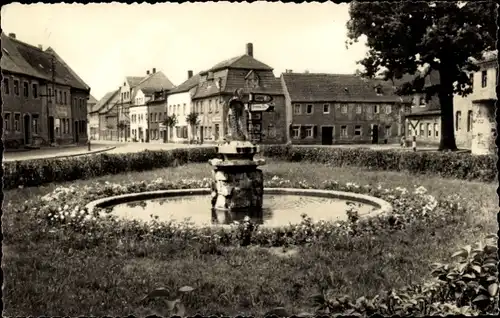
x,y
210,76
252,80
378,90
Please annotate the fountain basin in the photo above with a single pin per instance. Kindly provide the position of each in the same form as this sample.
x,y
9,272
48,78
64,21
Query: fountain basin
x,y
282,206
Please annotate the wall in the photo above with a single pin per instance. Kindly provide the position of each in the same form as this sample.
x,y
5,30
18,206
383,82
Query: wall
x,y
464,134
157,113
79,115
180,105
93,131
414,128
23,106
388,118
483,128
138,122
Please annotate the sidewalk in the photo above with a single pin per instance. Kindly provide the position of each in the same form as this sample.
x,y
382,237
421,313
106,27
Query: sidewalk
x,y
60,152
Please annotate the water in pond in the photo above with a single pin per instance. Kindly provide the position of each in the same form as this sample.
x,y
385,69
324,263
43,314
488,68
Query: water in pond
x,y
278,210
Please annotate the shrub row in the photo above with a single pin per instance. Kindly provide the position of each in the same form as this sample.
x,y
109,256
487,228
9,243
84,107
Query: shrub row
x,y
445,164
455,165
32,173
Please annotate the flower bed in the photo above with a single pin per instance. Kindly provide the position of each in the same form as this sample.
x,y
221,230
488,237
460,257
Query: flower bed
x,y
468,287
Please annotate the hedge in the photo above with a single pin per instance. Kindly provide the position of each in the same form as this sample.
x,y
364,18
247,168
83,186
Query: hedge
x,y
444,164
32,173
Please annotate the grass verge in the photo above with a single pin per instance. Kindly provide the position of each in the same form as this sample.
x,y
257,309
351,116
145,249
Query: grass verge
x,y
48,277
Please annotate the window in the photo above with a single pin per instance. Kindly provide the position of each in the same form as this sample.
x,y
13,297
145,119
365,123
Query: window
x,y
35,123
57,124
34,88
309,109
421,101
388,131
429,131
55,96
26,89
343,131
326,108
297,110
409,130
60,97
184,108
422,130
17,119
50,95
471,80
357,130
216,105
65,99
296,132
16,87
436,130
209,105
6,120
378,90
358,109
375,109
484,79
388,109
309,132
458,118
469,120
343,109
6,88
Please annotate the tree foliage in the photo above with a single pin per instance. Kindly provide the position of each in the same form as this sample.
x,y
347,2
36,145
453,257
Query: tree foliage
x,y
440,36
192,119
170,121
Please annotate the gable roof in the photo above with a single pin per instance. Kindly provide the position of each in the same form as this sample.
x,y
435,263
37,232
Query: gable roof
x,y
133,81
321,87
153,83
240,62
187,85
103,101
92,100
22,58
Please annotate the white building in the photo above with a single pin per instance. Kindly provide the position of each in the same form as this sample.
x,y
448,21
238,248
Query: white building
x,y
144,118
180,104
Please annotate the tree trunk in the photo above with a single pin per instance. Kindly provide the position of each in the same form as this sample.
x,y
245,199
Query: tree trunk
x,y
445,95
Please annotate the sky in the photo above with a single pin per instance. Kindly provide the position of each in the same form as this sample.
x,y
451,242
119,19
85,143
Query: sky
x,y
103,43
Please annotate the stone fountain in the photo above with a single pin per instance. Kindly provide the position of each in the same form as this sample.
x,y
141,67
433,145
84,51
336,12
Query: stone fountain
x,y
238,184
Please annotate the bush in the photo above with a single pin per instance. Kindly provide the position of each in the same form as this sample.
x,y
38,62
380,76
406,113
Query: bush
x,y
452,165
33,173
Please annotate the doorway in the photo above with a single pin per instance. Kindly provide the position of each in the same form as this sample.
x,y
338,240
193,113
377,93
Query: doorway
x,y
375,134
201,134
75,132
326,135
27,128
51,130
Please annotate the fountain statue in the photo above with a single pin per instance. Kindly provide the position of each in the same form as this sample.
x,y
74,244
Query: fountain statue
x,y
237,183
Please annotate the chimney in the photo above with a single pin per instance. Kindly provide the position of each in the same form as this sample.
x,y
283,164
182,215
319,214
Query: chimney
x,y
147,72
288,71
306,71
154,70
12,35
250,49
40,47
190,74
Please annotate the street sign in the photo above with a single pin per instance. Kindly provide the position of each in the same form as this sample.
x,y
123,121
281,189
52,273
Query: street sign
x,y
260,98
261,107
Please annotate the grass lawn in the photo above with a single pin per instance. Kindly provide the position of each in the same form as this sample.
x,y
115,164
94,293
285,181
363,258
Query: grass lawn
x,y
50,277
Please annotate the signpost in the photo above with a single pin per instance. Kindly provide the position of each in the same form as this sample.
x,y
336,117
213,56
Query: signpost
x,y
257,104
262,107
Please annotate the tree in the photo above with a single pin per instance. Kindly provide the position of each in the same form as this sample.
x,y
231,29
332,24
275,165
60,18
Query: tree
x,y
170,121
192,120
444,37
121,127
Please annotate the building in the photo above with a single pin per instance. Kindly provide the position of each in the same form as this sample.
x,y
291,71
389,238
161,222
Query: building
x,y
474,115
145,117
342,109
125,93
38,92
92,120
218,84
108,116
423,121
157,112
180,105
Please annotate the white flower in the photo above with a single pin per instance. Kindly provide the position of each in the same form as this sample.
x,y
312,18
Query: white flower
x,y
59,209
66,207
87,217
246,219
82,212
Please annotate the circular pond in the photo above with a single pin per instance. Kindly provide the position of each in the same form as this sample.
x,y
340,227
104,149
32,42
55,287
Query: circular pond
x,y
281,206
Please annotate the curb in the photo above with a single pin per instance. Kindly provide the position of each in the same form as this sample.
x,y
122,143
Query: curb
x,y
67,156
